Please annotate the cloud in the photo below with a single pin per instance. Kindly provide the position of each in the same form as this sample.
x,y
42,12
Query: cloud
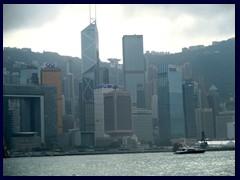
x,y
212,20
164,26
36,15
217,18
28,15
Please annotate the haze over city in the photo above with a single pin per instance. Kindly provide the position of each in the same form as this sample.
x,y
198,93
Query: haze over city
x,y
165,27
119,90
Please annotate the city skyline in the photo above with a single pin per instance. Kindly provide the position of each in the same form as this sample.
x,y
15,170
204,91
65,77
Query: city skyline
x,y
58,27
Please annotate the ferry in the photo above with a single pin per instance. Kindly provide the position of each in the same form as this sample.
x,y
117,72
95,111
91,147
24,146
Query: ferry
x,y
189,151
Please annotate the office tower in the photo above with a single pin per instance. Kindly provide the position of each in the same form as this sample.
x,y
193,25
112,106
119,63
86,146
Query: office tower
x,y
114,71
68,91
6,76
231,130
90,74
133,64
38,112
63,105
80,108
14,112
120,76
69,100
223,120
230,104
191,101
118,114
151,83
143,125
52,76
15,78
69,66
204,120
170,103
154,108
141,99
76,100
29,75
214,103
148,94
99,109
202,87
30,114
187,71
103,75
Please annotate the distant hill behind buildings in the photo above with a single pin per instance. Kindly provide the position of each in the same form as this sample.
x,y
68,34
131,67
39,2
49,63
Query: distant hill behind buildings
x,y
214,63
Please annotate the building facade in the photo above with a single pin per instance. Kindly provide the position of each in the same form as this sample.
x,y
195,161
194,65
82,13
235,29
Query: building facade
x,y
133,64
114,77
143,125
191,101
99,108
214,103
35,115
118,114
187,71
69,101
170,103
52,76
224,120
68,91
90,75
29,76
204,120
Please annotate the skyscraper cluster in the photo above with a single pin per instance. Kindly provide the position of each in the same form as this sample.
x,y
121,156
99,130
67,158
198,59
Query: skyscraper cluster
x,y
137,101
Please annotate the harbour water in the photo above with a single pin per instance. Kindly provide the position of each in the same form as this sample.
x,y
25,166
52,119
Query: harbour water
x,y
210,163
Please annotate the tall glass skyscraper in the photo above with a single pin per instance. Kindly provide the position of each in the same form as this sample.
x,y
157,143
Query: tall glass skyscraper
x,y
170,103
90,77
68,91
133,64
214,103
191,101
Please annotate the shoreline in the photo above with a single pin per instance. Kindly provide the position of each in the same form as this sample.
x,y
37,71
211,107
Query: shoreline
x,y
46,154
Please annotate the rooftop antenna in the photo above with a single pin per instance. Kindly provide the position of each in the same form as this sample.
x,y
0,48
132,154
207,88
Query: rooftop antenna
x,y
90,13
92,20
95,13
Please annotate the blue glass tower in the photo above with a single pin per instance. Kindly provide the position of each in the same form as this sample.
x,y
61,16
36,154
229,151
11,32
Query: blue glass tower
x,y
191,101
170,103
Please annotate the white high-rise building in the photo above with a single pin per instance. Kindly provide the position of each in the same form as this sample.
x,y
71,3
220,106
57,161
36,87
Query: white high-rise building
x,y
99,108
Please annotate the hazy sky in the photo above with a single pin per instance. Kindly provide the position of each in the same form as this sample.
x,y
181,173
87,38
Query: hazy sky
x,y
164,27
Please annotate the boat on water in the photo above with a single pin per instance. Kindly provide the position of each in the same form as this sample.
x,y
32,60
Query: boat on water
x,y
189,151
181,148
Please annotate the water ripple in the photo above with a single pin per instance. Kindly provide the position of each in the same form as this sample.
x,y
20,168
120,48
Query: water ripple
x,y
220,163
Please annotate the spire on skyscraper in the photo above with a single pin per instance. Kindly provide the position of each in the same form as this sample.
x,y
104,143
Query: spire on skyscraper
x,y
92,20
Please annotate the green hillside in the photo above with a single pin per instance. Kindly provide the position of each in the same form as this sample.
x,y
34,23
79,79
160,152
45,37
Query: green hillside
x,y
215,63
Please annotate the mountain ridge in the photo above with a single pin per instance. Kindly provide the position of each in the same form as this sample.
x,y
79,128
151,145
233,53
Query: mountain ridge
x,y
215,63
